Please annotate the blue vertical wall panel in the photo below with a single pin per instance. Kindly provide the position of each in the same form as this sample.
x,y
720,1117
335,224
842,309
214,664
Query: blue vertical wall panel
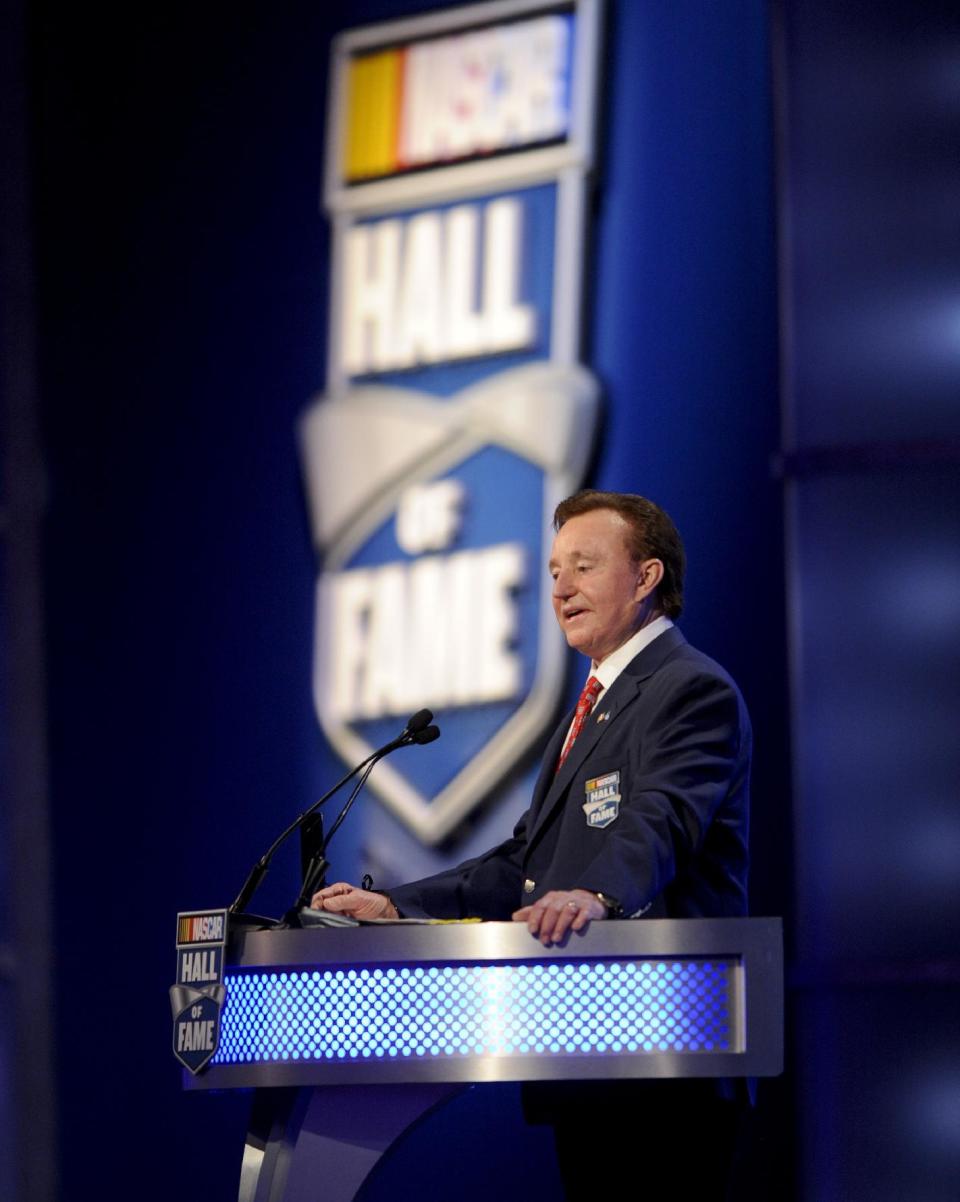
x,y
884,1123
877,579
870,265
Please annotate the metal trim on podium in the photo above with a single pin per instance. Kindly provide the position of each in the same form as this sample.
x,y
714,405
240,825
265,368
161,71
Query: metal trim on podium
x,y
657,998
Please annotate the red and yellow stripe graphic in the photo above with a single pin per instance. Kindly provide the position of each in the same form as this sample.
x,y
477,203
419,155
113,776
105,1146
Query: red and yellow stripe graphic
x,y
208,927
440,100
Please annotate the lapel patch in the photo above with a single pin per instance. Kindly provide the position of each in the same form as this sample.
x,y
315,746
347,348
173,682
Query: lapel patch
x,y
602,805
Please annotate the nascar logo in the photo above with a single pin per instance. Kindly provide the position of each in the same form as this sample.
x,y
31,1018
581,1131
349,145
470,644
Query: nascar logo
x,y
474,92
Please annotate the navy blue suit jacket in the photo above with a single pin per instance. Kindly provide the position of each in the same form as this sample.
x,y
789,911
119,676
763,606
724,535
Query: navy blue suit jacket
x,y
673,738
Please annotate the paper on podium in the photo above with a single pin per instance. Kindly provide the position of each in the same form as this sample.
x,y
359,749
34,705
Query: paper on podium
x,y
325,918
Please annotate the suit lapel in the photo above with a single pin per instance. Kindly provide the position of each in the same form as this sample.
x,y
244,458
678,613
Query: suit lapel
x,y
621,693
551,787
549,763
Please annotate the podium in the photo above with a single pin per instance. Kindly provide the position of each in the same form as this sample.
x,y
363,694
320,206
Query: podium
x,y
350,1036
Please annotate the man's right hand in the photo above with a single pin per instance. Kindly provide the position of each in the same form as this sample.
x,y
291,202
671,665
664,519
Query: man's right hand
x,y
342,898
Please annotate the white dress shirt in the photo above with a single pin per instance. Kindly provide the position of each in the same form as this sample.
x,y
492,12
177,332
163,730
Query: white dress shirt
x,y
609,669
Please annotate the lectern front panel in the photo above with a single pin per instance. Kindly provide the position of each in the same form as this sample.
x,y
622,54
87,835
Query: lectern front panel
x,y
486,1002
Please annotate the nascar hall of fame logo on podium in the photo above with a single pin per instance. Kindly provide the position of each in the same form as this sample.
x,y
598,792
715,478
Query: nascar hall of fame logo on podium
x,y
198,996
456,413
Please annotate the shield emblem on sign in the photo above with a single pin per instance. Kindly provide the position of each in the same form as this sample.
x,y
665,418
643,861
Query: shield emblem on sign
x,y
432,517
196,1023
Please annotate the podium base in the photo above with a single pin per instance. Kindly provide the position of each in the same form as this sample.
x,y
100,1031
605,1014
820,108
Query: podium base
x,y
330,1136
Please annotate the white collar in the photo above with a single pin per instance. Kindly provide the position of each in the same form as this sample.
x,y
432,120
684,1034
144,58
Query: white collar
x,y
608,671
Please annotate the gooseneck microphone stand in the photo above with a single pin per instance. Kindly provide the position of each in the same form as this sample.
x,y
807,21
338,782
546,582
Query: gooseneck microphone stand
x,y
416,731
319,863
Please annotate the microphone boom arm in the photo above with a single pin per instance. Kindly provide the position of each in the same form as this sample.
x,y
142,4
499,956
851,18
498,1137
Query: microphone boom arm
x,y
416,731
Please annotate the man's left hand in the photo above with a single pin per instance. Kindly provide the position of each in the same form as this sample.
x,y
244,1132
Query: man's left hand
x,y
561,910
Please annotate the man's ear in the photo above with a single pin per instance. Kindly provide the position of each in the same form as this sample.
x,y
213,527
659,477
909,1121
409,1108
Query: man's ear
x,y
649,575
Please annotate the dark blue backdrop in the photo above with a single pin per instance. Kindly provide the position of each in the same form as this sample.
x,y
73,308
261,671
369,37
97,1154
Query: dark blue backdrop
x,y
871,259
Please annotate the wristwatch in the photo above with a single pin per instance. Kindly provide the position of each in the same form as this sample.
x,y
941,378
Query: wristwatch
x,y
613,907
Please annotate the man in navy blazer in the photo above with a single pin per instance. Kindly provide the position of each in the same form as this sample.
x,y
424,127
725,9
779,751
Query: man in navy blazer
x,y
646,811
640,809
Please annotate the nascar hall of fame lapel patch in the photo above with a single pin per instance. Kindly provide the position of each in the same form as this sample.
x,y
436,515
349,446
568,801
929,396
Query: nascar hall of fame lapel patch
x,y
198,996
456,414
602,805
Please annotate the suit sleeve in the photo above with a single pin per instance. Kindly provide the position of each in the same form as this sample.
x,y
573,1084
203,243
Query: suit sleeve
x,y
683,804
488,886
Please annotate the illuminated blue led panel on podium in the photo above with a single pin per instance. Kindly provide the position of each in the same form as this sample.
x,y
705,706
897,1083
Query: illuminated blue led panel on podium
x,y
486,1002
604,1007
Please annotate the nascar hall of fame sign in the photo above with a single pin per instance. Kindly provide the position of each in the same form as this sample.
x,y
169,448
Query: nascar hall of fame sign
x,y
198,996
456,413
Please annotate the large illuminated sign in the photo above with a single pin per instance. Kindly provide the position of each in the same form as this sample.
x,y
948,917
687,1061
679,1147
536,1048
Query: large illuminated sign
x,y
456,412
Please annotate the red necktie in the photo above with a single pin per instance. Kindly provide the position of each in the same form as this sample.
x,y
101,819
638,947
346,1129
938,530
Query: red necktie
x,y
588,699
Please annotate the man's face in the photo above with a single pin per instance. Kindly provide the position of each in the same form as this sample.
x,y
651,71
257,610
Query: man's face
x,y
598,589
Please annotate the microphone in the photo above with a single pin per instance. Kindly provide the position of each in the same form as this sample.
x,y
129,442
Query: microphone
x,y
417,730
420,719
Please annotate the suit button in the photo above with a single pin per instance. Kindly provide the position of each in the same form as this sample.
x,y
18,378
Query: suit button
x,y
529,886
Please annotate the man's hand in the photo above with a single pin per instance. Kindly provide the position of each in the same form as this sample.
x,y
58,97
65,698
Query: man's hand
x,y
559,911
342,898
